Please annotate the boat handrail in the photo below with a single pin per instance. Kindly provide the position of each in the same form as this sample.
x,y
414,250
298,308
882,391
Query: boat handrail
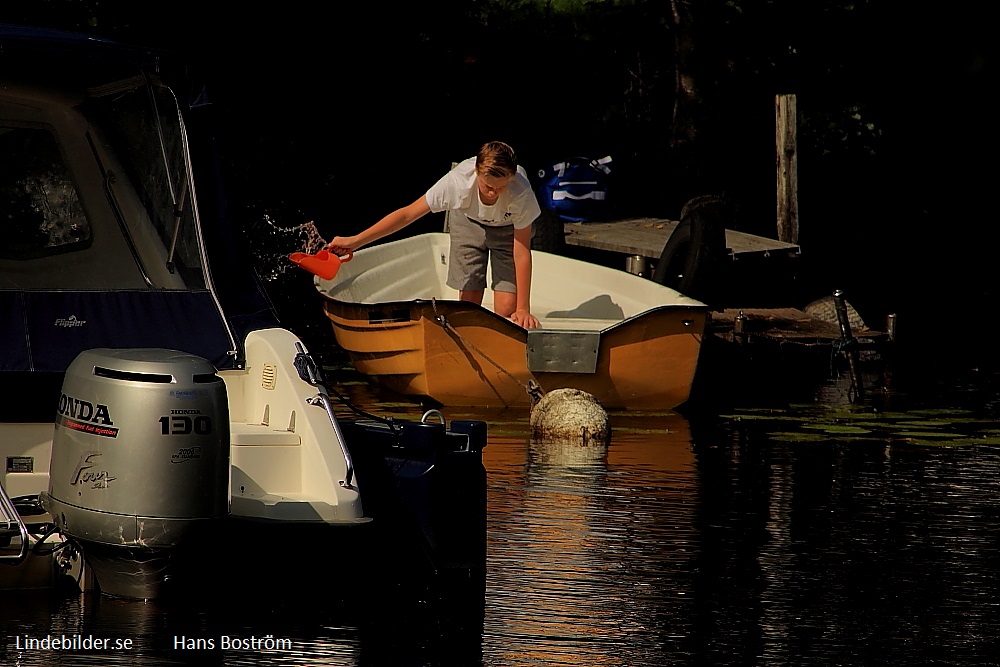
x,y
432,413
10,517
306,367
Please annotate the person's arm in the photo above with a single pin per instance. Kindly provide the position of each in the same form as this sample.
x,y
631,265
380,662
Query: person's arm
x,y
522,267
390,224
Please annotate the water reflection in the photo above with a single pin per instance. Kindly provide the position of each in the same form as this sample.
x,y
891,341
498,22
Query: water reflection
x,y
860,546
588,545
821,533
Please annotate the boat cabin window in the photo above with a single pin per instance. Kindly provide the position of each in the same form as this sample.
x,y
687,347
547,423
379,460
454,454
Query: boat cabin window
x,y
40,210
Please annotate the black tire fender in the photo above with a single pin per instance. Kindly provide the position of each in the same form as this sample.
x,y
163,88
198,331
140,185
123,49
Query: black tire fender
x,y
692,258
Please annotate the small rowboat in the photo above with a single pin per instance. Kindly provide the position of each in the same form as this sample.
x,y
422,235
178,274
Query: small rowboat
x,y
629,341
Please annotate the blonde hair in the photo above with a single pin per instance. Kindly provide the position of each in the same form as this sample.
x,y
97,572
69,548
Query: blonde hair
x,y
496,159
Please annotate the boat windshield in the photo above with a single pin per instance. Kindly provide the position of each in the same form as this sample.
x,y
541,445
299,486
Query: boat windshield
x,y
144,126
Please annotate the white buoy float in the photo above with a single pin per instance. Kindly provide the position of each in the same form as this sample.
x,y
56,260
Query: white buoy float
x,y
570,416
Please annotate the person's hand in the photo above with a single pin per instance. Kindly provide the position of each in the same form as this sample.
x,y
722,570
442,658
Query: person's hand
x,y
342,245
525,319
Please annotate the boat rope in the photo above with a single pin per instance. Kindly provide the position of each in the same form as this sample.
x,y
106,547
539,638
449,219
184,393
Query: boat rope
x,y
534,392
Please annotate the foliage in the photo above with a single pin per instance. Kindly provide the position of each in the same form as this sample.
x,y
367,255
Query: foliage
x,y
680,93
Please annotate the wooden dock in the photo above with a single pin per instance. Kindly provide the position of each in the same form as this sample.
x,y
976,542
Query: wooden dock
x,y
761,271
785,352
643,239
765,269
783,326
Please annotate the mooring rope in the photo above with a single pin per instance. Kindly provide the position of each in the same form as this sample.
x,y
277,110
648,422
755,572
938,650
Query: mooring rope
x,y
534,392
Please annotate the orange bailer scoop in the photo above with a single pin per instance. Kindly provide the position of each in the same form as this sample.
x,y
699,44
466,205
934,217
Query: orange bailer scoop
x,y
324,263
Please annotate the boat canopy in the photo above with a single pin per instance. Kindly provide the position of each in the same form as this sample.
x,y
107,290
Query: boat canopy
x,y
106,235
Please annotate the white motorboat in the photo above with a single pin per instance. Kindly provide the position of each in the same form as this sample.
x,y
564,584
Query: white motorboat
x,y
156,411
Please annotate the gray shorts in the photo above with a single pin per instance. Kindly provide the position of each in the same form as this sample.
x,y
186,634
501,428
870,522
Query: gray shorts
x,y
472,245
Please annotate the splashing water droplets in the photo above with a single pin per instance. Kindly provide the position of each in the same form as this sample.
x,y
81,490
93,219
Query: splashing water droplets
x,y
272,244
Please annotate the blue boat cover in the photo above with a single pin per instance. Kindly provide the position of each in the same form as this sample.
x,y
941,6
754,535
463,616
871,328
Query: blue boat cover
x,y
45,330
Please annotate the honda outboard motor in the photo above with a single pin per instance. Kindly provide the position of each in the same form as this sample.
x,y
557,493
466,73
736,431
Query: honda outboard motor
x,y
140,462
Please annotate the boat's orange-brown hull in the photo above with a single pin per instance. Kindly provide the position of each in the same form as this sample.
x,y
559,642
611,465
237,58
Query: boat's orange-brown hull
x,y
460,354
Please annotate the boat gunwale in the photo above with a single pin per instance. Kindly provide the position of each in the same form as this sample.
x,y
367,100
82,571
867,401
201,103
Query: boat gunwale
x,y
468,305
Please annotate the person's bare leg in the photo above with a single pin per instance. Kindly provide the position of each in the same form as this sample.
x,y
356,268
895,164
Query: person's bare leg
x,y
475,296
504,303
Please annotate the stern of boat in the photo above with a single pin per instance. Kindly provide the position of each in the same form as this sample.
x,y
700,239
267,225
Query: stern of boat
x,y
289,461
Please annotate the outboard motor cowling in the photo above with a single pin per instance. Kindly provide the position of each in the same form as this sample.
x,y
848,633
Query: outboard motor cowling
x,y
140,462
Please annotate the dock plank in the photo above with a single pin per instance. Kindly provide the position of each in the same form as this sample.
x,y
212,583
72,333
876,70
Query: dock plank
x,y
789,325
646,237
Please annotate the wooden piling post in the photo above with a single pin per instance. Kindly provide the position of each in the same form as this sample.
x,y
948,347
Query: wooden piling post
x,y
850,346
787,167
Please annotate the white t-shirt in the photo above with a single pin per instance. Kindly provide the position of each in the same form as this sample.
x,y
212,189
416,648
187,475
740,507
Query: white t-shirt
x,y
457,191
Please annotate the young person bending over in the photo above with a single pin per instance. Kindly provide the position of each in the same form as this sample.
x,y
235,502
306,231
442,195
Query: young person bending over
x,y
498,208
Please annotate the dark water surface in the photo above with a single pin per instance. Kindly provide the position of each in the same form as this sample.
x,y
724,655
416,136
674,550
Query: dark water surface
x,y
823,533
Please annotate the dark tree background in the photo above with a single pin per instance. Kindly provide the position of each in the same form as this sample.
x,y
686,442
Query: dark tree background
x,y
340,112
